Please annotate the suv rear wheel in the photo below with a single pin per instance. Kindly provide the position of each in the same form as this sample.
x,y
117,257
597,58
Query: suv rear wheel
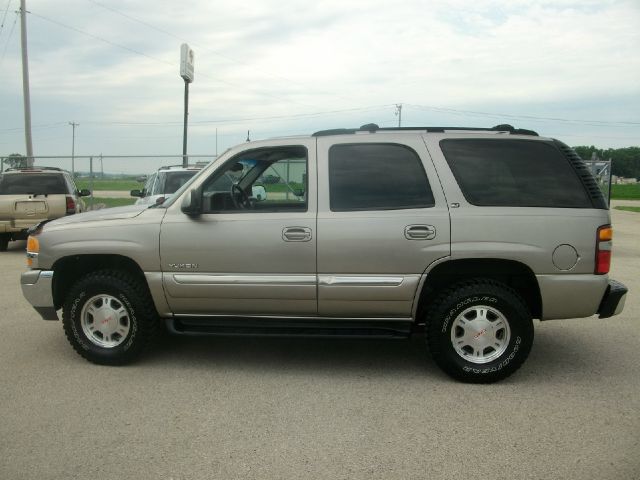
x,y
479,331
108,317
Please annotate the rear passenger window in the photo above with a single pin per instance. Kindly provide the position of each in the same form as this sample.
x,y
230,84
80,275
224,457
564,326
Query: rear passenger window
x,y
514,173
376,177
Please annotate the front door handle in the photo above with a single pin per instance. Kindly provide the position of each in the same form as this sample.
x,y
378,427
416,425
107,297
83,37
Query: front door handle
x,y
296,234
420,232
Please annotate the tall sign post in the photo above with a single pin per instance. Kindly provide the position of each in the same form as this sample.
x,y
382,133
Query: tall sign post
x,y
186,72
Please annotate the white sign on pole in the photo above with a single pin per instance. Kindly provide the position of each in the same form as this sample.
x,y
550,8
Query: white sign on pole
x,y
186,63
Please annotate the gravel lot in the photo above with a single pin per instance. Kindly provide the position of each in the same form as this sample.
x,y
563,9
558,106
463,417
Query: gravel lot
x,y
305,409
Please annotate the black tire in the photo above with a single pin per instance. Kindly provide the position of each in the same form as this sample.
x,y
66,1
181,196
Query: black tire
x,y
4,242
488,350
112,300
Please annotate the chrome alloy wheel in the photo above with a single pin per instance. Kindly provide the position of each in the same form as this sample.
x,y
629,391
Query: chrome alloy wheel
x,y
105,321
480,334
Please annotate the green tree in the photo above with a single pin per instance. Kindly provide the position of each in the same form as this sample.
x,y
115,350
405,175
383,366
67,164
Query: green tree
x,y
15,160
625,161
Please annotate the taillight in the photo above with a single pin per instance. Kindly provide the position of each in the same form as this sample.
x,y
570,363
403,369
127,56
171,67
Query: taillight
x,y
71,206
603,249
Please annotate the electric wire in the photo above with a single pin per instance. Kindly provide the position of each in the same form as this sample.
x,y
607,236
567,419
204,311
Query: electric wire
x,y
200,47
6,45
166,62
96,37
5,15
594,123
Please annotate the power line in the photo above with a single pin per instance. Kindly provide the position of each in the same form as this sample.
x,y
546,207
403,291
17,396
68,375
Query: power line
x,y
208,50
594,123
96,37
245,119
166,62
6,45
204,122
42,126
5,15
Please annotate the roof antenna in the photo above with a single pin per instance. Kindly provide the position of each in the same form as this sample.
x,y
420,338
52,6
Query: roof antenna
x,y
248,139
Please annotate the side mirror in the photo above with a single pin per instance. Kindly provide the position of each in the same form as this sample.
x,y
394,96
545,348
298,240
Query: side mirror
x,y
192,202
84,193
136,193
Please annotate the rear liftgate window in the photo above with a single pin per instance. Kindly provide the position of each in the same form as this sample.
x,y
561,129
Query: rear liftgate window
x,y
514,173
377,177
32,183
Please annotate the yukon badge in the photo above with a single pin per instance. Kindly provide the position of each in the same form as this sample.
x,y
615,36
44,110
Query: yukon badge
x,y
183,265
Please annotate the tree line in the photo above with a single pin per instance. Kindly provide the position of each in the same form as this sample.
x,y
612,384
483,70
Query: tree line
x,y
626,161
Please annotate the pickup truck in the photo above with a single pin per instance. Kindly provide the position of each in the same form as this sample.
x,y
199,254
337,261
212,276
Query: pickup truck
x,y
30,195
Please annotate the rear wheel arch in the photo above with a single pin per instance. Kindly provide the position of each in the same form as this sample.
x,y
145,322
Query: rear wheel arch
x,y
511,273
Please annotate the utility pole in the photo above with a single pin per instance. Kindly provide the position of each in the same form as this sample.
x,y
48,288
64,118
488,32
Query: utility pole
x,y
73,149
25,84
399,114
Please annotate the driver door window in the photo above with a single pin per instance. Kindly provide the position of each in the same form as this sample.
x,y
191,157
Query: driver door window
x,y
264,180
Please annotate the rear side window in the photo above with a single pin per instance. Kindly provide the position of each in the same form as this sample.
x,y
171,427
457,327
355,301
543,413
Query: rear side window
x,y
32,183
514,173
174,180
377,177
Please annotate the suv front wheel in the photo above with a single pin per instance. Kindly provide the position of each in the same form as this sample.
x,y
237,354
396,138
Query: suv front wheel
x,y
479,331
109,318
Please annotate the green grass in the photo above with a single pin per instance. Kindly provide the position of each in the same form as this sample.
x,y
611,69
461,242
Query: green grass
x,y
109,184
281,187
625,192
110,202
629,209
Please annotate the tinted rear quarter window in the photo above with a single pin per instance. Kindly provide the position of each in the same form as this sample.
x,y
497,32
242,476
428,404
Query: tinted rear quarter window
x,y
514,173
174,180
32,183
377,177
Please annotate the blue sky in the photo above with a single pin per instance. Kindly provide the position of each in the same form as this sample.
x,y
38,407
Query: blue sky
x,y
567,69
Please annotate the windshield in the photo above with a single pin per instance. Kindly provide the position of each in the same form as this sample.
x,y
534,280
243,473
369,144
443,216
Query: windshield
x,y
32,183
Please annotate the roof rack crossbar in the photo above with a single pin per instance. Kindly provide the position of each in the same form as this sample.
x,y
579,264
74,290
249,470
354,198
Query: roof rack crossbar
x,y
372,127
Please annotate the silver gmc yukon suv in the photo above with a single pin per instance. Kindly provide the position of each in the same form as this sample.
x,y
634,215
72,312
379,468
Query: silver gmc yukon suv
x,y
464,234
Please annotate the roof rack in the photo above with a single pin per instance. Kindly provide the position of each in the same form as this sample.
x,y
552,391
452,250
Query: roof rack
x,y
169,167
372,128
35,167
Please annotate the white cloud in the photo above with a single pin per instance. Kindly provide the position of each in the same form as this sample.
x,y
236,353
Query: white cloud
x,y
254,59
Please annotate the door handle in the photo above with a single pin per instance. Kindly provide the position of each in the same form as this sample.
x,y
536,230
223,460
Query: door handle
x,y
296,234
420,232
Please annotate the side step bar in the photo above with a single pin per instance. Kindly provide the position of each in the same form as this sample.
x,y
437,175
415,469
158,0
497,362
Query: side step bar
x,y
269,327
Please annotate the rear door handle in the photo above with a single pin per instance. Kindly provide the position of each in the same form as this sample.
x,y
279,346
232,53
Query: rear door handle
x,y
420,232
296,234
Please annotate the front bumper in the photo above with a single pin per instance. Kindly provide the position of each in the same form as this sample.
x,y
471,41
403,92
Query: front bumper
x,y
613,301
37,289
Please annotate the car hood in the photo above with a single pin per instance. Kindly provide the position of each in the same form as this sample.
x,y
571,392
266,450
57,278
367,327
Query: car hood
x,y
116,213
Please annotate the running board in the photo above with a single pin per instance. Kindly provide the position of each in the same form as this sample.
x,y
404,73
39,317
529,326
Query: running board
x,y
269,327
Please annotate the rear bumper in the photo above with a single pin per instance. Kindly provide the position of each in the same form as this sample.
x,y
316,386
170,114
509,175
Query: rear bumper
x,y
613,300
37,289
17,226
